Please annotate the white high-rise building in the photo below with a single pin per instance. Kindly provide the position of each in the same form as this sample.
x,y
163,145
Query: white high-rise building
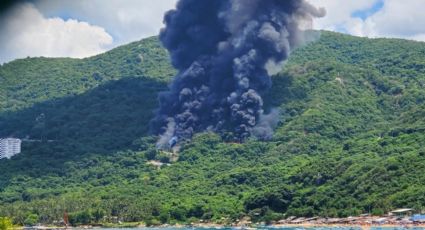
x,y
9,147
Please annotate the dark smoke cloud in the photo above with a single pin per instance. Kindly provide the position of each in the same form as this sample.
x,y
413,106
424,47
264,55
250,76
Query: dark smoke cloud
x,y
225,52
6,5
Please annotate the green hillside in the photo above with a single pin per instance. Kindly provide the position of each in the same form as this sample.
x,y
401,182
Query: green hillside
x,y
350,139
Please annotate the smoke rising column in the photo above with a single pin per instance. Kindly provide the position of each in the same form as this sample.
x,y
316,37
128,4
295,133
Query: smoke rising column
x,y
225,52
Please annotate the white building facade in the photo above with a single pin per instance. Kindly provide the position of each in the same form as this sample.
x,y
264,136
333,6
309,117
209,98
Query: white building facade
x,y
9,147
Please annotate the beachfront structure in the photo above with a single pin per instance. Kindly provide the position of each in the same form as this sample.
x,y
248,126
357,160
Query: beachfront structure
x,y
402,212
9,147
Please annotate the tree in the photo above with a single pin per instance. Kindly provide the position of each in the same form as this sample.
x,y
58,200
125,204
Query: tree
x,y
83,217
31,220
5,223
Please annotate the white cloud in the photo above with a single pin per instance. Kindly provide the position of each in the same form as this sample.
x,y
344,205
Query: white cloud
x,y
125,20
396,19
26,32
338,13
402,19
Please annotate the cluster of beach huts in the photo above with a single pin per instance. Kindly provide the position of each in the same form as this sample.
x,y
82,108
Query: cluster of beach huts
x,y
396,217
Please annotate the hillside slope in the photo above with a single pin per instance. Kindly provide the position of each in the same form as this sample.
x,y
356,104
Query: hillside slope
x,y
350,138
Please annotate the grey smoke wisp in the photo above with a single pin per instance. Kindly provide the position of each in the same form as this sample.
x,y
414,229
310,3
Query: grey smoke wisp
x,y
225,52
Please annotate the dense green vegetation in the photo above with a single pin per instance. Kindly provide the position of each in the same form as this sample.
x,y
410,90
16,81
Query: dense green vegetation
x,y
350,139
5,223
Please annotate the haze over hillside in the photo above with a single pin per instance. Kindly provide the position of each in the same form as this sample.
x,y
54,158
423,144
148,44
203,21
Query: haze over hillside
x,y
350,138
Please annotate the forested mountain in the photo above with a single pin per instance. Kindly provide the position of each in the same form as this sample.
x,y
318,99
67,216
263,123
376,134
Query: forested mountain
x,y
350,139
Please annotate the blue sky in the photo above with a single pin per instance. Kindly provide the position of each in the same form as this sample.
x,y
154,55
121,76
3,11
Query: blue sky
x,y
365,13
82,28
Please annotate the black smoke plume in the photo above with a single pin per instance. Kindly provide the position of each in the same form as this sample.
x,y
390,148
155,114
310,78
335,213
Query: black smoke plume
x,y
225,52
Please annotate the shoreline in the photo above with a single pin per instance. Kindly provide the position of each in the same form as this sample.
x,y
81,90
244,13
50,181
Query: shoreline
x,y
237,226
304,225
362,226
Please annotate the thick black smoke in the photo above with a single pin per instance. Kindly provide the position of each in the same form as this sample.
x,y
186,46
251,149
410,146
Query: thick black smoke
x,y
225,52
5,5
